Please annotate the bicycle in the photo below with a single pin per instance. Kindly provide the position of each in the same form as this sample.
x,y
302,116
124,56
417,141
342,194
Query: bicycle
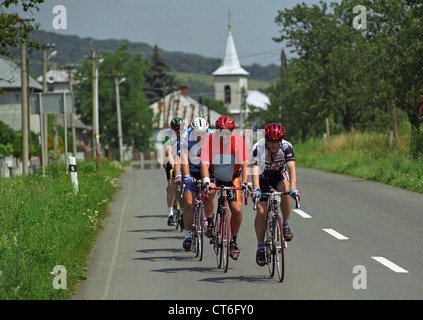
x,y
275,243
199,223
222,235
176,206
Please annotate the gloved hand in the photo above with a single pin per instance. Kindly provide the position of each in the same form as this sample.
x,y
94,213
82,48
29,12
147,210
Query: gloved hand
x,y
206,181
188,179
178,177
256,193
294,192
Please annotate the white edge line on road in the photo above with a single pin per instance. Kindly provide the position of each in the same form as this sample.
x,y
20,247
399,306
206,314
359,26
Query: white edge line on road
x,y
116,248
335,234
390,265
302,213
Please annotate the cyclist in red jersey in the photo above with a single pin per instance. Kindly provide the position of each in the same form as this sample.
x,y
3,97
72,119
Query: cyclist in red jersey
x,y
226,155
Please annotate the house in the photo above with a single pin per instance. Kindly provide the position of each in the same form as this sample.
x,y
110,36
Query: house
x,y
179,104
58,81
231,85
10,102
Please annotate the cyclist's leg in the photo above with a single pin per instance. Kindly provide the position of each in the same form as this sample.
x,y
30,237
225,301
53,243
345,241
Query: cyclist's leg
x,y
283,186
170,197
189,197
261,214
260,221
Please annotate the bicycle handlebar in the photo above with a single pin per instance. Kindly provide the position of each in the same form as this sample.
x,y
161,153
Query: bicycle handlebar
x,y
208,188
297,201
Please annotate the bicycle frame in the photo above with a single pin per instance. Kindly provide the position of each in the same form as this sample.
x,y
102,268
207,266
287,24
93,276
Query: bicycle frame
x,y
275,243
222,226
199,222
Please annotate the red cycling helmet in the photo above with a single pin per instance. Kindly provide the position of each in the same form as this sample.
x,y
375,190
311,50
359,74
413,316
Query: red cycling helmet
x,y
225,122
274,132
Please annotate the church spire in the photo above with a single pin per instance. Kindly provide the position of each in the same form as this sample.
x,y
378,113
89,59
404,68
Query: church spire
x,y
230,64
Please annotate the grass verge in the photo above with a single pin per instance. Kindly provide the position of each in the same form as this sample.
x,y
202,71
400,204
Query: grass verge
x,y
365,155
44,223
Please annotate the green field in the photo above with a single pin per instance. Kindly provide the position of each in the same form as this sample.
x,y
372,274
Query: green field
x,y
44,224
208,80
365,155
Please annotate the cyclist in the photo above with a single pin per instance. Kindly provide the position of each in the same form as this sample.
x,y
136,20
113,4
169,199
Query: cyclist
x,y
225,154
273,166
171,144
191,141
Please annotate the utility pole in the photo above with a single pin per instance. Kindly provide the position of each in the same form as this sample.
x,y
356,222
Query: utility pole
x,y
96,136
24,99
118,80
44,116
69,68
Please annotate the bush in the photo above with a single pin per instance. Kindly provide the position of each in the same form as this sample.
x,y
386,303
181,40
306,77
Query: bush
x,y
416,145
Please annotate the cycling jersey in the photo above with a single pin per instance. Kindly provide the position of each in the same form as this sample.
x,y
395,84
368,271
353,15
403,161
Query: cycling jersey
x,y
170,139
226,157
189,141
261,158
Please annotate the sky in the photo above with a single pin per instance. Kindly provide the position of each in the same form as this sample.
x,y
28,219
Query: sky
x,y
190,26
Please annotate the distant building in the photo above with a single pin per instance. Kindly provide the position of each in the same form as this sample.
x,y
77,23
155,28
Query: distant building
x,y
179,104
231,85
11,101
58,81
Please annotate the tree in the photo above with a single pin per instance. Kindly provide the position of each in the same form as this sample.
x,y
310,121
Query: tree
x,y
136,116
160,79
10,24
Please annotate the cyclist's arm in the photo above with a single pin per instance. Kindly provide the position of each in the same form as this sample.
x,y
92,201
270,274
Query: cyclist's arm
x,y
178,165
293,175
255,177
169,156
204,169
245,168
184,161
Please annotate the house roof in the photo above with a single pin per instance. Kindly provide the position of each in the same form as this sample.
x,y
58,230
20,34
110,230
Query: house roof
x,y
230,64
54,76
179,104
10,76
257,99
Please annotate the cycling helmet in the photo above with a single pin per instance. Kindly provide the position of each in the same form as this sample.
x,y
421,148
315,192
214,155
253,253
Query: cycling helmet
x,y
274,132
199,124
176,122
225,122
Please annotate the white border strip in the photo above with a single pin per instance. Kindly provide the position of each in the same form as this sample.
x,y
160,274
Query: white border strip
x,y
335,234
390,265
302,213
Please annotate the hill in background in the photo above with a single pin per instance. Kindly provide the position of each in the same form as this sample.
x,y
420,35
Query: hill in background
x,y
191,69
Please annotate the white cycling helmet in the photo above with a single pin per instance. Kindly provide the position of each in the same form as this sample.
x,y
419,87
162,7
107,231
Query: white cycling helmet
x,y
199,124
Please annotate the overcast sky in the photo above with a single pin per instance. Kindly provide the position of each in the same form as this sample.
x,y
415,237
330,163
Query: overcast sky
x,y
191,26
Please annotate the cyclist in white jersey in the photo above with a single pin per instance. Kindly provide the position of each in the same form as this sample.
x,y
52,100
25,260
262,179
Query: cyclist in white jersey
x,y
273,166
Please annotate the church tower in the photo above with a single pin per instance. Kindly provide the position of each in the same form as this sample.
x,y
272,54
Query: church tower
x,y
230,81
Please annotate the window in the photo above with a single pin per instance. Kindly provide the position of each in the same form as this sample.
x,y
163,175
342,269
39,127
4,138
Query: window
x,y
227,94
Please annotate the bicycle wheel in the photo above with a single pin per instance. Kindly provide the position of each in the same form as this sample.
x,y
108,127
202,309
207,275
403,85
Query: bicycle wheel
x,y
200,231
194,232
279,244
176,219
217,239
269,252
216,233
226,240
176,213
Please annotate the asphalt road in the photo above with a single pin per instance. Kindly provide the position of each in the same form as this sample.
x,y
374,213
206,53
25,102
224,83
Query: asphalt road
x,y
353,239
